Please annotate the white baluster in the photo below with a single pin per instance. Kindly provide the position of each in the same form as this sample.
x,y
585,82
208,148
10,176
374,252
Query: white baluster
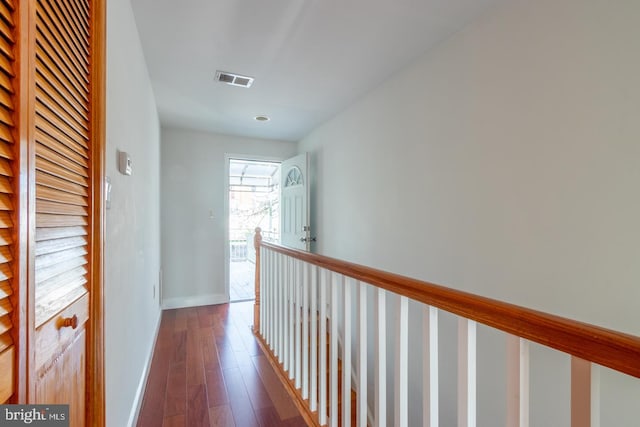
x,y
277,313
333,349
286,332
313,309
292,323
346,355
322,390
305,331
517,382
402,367
298,330
585,393
362,356
466,373
264,285
381,360
430,410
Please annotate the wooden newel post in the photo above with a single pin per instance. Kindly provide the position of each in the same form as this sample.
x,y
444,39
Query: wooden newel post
x,y
257,239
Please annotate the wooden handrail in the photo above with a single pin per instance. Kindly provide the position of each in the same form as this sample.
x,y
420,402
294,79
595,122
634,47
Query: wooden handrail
x,y
615,350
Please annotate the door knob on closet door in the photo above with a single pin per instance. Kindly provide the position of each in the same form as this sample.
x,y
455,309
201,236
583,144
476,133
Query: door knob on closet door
x,y
70,321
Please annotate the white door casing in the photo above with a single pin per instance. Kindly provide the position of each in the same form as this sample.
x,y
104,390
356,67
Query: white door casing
x,y
294,199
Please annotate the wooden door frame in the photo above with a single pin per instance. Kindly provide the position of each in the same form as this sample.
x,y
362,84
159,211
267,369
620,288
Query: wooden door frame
x,y
25,225
95,404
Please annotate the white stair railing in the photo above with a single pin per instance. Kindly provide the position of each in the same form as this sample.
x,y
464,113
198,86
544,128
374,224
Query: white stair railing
x,y
308,306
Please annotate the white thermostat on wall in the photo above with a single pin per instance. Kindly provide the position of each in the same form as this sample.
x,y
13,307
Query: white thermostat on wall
x,y
124,163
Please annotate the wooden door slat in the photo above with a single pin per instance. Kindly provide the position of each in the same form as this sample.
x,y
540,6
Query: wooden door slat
x,y
5,134
5,168
48,34
81,15
65,33
53,258
60,245
6,151
53,61
51,181
5,185
60,148
6,83
60,116
6,100
46,130
5,342
6,202
52,71
46,193
6,15
43,233
56,269
73,31
10,4
55,157
6,65
5,307
48,207
49,220
6,272
50,85
6,31
5,290
5,324
6,48
6,117
61,127
53,169
5,256
5,219
5,237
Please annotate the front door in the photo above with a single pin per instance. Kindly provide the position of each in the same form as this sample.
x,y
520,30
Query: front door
x,y
295,227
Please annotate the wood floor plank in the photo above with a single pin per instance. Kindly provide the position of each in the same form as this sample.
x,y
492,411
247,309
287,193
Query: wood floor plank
x,y
279,396
221,416
175,421
258,394
198,410
209,351
195,367
176,396
155,391
241,408
216,388
180,346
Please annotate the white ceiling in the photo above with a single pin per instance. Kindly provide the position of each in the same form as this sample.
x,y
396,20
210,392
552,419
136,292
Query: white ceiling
x,y
310,58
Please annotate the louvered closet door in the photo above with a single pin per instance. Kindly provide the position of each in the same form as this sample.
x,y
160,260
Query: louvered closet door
x,y
7,198
62,151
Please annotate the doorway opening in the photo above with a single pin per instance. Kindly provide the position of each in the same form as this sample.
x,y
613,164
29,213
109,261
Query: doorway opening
x,y
254,201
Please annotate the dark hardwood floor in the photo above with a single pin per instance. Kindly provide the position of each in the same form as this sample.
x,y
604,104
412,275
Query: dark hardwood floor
x,y
209,371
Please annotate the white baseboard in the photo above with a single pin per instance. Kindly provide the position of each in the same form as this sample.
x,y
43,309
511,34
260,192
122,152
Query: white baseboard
x,y
137,401
194,301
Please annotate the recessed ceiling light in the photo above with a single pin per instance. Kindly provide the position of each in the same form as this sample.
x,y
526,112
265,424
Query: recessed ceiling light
x,y
262,118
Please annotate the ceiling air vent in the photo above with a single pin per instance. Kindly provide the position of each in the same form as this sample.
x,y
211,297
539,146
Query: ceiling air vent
x,y
234,79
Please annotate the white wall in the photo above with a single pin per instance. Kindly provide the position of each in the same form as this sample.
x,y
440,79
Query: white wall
x,y
193,188
132,259
504,162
